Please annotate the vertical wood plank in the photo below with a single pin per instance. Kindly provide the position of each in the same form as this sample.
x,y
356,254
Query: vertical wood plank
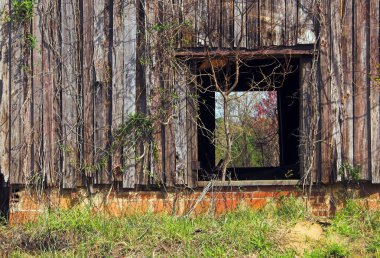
x,y
374,91
188,14
202,23
180,128
37,96
117,82
70,67
325,92
291,22
102,89
361,49
214,16
266,29
336,67
191,127
253,25
240,21
347,91
309,121
130,44
306,19
17,97
227,23
88,86
278,22
5,40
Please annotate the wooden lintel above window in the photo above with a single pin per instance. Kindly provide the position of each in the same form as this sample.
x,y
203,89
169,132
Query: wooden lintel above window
x,y
200,53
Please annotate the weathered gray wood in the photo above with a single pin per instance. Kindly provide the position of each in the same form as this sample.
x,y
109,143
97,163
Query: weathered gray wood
x,y
306,28
266,28
191,130
130,44
336,68
291,22
240,21
374,91
188,14
102,87
227,23
214,16
253,24
201,17
69,88
180,127
4,93
117,84
309,121
325,93
37,96
278,22
361,52
88,86
347,91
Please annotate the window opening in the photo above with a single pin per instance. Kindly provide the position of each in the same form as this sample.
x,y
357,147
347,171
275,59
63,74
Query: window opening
x,y
263,114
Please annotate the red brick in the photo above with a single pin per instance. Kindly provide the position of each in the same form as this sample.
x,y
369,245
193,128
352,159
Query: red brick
x,y
262,194
256,203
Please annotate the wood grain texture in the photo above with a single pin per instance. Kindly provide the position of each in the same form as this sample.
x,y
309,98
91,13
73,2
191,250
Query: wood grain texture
x,y
306,20
130,44
201,23
360,90
347,91
325,94
253,24
291,22
227,23
88,86
278,22
37,96
180,128
102,90
214,16
266,26
374,90
240,21
5,84
336,68
70,85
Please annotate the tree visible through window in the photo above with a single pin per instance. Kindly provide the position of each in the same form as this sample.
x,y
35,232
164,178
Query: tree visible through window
x,y
254,128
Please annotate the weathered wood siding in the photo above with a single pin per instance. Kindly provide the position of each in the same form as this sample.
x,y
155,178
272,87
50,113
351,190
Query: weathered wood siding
x,y
94,63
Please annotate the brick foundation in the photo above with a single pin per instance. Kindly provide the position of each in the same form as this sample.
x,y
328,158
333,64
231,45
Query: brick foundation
x,y
321,201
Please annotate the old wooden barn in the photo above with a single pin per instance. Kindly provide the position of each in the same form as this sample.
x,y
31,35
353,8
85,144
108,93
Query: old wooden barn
x,y
124,93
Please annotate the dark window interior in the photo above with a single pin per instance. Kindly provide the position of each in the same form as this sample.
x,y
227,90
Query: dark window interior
x,y
286,88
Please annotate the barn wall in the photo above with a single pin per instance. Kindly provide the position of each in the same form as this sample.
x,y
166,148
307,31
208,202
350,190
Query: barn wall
x,y
322,201
73,74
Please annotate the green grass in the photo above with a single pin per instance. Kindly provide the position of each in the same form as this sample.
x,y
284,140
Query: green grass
x,y
81,233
